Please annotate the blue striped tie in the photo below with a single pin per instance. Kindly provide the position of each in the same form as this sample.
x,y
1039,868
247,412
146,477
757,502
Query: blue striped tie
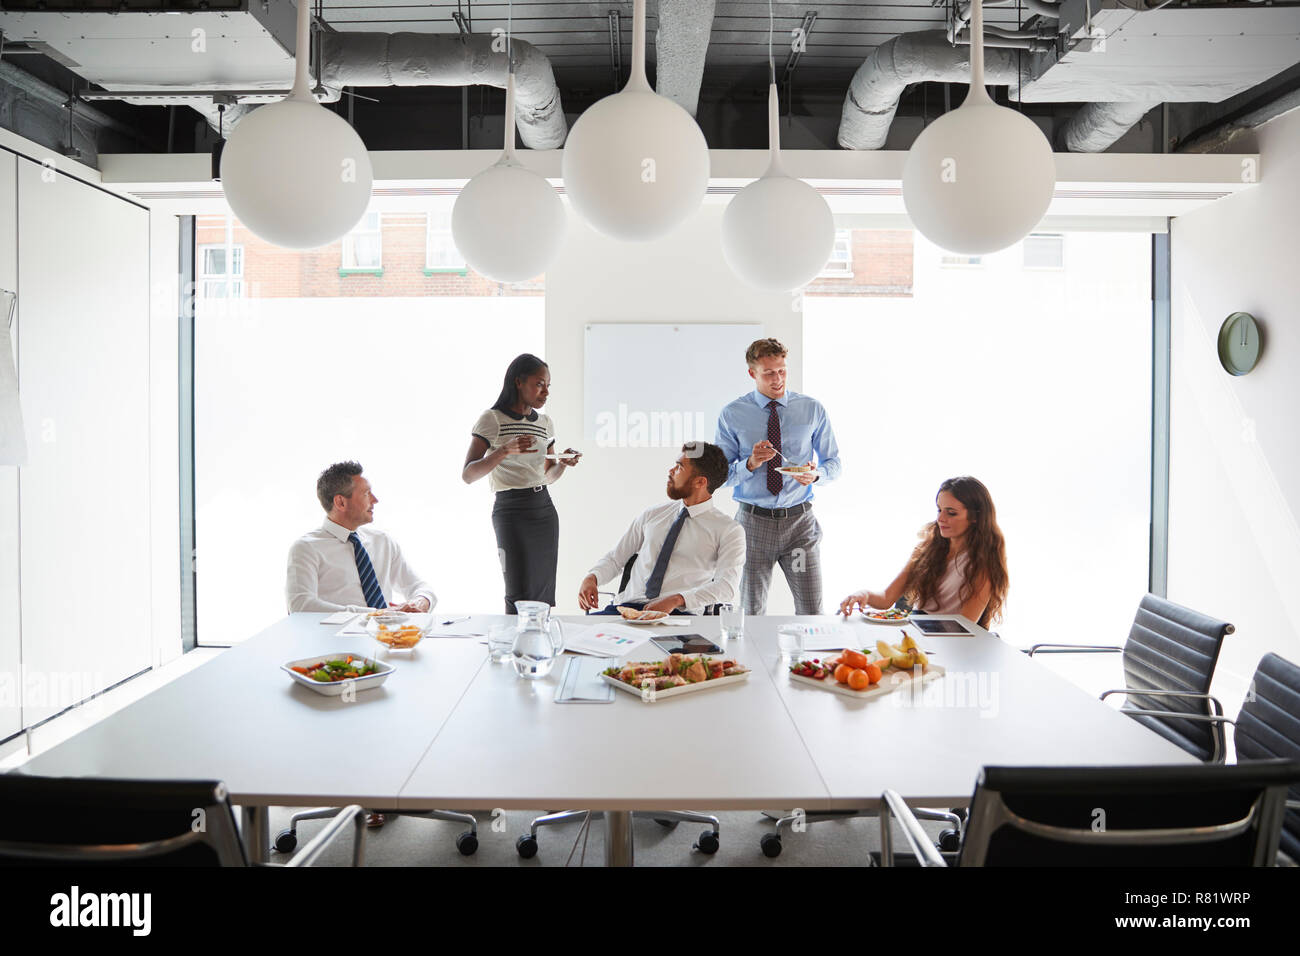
x,y
366,571
656,579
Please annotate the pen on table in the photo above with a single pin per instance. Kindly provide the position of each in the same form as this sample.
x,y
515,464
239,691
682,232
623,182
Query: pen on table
x,y
454,620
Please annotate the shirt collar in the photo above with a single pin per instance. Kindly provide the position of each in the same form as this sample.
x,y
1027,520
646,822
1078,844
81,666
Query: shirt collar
x,y
696,510
761,400
337,530
531,416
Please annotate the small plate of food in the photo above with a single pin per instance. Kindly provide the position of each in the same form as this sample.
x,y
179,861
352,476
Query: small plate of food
x,y
396,630
894,616
796,469
679,674
633,615
332,674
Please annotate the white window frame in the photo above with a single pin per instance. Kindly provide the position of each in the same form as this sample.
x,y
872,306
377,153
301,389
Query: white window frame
x,y
371,225
839,266
437,236
232,281
1060,239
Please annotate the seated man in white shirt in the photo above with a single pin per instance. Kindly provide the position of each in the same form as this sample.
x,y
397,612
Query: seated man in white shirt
x,y
689,554
344,566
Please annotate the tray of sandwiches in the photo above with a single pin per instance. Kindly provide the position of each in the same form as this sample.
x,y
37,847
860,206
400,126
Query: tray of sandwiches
x,y
679,674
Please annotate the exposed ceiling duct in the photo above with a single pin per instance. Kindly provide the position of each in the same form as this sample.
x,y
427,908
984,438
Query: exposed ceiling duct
x,y
1119,60
425,59
900,61
681,43
1096,126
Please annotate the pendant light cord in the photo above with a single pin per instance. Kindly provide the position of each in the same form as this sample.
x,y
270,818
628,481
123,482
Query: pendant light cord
x,y
771,29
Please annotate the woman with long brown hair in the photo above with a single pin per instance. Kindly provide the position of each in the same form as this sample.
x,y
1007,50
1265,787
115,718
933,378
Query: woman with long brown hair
x,y
960,564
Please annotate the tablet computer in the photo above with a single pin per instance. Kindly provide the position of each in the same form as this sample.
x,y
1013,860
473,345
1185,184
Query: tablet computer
x,y
929,625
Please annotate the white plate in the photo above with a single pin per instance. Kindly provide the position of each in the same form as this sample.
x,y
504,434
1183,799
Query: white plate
x,y
889,682
875,620
335,688
658,620
787,470
650,696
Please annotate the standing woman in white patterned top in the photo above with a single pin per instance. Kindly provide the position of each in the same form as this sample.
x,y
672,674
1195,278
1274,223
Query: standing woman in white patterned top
x,y
960,565
510,443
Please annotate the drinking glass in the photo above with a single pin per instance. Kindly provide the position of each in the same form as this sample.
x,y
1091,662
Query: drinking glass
x,y
790,639
501,640
733,621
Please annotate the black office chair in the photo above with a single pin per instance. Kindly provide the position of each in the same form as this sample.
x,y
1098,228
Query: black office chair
x,y
57,821
1169,661
1268,727
709,840
1201,815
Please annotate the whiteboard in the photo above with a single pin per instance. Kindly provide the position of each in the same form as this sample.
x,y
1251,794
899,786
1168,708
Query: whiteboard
x,y
659,385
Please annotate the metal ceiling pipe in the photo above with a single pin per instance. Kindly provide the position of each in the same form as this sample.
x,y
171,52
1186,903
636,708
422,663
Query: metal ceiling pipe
x,y
921,57
1044,8
1095,127
681,43
422,59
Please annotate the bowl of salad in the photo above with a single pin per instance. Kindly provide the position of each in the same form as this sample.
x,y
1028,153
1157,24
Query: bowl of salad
x,y
332,674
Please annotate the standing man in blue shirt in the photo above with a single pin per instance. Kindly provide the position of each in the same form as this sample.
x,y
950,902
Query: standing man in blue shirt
x,y
767,429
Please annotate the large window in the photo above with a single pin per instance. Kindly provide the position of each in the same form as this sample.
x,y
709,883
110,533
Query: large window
x,y
304,373
1036,382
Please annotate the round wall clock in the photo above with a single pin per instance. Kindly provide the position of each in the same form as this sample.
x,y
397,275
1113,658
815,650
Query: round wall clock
x,y
1239,343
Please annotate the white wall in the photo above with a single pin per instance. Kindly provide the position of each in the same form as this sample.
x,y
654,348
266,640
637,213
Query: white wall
x,y
1235,459
89,589
84,494
10,642
681,278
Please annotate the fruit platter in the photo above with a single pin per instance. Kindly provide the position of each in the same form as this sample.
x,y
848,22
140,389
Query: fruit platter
x,y
856,674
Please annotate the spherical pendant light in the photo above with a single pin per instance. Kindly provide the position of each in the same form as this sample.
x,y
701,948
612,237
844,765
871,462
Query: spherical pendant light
x,y
778,232
635,164
294,173
980,178
508,222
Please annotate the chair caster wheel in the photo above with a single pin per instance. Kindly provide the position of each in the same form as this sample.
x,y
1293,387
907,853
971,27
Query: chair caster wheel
x,y
961,813
770,845
707,843
285,841
949,841
467,843
526,846
668,824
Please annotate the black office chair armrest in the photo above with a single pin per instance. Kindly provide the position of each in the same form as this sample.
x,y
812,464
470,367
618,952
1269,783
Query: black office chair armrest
x,y
1218,707
1074,649
924,850
308,855
1216,755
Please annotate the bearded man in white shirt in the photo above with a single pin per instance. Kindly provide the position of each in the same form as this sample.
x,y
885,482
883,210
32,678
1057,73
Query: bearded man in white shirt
x,y
689,554
344,566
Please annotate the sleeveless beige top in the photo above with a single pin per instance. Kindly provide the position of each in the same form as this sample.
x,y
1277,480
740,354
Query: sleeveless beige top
x,y
947,599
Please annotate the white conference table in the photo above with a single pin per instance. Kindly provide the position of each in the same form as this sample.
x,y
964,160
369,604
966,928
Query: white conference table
x,y
451,729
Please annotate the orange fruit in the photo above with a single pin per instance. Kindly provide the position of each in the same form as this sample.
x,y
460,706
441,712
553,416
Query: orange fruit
x,y
873,673
854,658
842,673
859,680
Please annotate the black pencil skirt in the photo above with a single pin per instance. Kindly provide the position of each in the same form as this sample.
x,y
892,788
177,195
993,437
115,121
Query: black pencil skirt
x,y
528,543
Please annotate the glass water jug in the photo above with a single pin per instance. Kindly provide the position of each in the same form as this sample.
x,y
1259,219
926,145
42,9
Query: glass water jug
x,y
538,640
